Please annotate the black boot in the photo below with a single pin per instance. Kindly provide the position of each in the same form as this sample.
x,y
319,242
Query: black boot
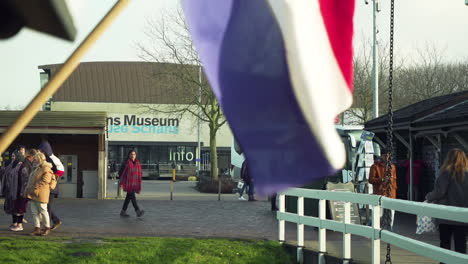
x,y
252,198
123,213
140,213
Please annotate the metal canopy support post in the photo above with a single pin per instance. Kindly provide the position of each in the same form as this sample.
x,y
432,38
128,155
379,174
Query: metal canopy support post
x,y
434,142
102,166
460,140
381,143
409,146
402,140
411,159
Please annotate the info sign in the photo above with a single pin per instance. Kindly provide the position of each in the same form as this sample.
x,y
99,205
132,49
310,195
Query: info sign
x,y
337,207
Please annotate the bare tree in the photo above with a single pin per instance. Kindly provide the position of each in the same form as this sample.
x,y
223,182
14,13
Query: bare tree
x,y
429,76
170,42
362,107
425,77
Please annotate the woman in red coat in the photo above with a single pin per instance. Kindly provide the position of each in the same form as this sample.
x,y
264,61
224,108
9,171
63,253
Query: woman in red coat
x,y
130,179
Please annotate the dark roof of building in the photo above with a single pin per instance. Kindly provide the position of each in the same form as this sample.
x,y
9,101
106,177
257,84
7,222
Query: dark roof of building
x,y
124,82
429,108
58,119
453,114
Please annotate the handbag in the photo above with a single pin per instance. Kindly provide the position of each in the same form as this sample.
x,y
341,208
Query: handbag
x,y
240,184
426,224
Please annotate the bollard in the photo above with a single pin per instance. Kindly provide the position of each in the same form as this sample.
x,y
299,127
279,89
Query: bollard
x,y
219,188
119,189
172,188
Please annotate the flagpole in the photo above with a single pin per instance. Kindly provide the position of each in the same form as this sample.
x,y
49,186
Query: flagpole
x,y
375,69
60,77
198,159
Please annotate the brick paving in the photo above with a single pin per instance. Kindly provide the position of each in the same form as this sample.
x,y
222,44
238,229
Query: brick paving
x,y
180,218
203,216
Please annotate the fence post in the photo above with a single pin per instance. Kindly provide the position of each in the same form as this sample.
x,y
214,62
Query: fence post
x,y
376,240
347,236
322,233
300,231
281,225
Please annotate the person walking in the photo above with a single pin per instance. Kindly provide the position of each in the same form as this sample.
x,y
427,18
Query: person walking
x,y
451,188
248,181
380,186
19,200
274,207
241,190
130,179
59,170
41,182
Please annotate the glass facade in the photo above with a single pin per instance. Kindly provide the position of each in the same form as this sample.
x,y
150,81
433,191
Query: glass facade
x,y
152,155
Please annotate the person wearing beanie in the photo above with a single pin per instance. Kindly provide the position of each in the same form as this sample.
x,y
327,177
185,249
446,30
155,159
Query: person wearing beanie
x,y
41,181
58,169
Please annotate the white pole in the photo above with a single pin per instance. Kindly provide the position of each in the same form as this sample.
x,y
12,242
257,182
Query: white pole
x,y
347,236
322,231
300,230
376,241
375,69
281,225
198,159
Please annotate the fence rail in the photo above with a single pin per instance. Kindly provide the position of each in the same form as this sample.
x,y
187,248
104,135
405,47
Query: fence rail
x,y
374,233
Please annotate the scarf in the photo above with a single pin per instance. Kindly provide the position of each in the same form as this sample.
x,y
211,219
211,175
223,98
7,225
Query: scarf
x,y
131,176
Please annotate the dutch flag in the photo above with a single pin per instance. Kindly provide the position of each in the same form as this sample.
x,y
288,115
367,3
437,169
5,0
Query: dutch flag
x,y
282,71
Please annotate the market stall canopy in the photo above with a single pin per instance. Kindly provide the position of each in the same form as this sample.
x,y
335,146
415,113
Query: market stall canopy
x,y
47,16
438,111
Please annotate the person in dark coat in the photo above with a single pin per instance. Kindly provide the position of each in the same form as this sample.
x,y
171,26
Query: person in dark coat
x,y
19,200
248,180
10,186
130,174
451,188
59,170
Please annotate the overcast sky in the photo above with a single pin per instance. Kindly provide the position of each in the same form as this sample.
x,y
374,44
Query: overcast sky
x,y
418,23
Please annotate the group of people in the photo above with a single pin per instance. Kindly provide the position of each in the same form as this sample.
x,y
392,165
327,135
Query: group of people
x,y
31,177
451,188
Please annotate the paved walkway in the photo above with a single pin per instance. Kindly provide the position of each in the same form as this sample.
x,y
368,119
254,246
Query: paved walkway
x,y
190,215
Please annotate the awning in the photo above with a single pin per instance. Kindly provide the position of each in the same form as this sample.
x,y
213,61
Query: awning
x,y
59,122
